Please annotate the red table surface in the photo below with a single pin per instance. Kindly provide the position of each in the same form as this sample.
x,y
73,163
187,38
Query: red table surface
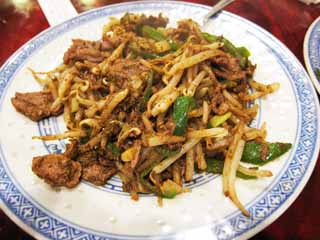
x,y
288,20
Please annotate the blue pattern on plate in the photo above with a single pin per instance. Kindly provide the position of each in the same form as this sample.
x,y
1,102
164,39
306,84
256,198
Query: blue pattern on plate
x,y
263,207
314,48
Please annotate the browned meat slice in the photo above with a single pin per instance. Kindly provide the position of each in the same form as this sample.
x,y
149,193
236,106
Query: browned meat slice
x,y
227,62
132,186
84,50
110,43
98,174
153,21
185,29
87,158
228,67
107,159
230,75
178,34
35,105
71,149
242,87
222,109
95,82
217,99
132,22
125,69
57,170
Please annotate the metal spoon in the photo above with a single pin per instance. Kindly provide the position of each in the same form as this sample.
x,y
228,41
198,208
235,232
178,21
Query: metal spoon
x,y
215,9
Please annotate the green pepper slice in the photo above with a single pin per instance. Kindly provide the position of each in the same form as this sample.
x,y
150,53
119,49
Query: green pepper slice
x,y
181,107
151,32
242,53
252,152
215,166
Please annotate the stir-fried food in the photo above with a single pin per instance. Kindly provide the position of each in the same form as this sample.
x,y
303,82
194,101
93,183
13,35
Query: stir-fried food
x,y
155,105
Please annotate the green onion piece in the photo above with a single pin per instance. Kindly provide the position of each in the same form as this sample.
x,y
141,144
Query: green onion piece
x,y
170,189
217,120
174,45
165,152
147,92
145,55
151,32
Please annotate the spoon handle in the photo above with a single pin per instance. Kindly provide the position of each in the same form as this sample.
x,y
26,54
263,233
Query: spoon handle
x,y
216,8
57,11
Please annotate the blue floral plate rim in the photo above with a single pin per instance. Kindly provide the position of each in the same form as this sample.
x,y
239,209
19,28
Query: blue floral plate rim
x,y
311,52
308,104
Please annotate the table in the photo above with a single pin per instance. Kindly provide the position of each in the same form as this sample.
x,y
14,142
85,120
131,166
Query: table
x,y
288,20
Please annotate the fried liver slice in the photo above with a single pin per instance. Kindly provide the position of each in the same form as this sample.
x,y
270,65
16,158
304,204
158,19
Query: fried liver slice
x,y
57,170
34,105
98,174
81,50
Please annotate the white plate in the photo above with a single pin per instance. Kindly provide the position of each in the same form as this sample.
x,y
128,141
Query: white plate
x,y
311,52
89,212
